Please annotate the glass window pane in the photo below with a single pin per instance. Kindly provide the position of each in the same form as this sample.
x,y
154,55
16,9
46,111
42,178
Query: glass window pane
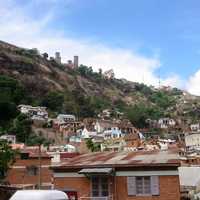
x,y
143,185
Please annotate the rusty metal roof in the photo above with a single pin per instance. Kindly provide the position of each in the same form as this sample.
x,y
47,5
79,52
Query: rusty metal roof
x,y
122,159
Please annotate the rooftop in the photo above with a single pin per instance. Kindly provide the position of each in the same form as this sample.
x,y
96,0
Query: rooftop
x,y
123,159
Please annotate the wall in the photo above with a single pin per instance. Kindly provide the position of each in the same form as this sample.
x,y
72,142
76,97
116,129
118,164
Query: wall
x,y
18,173
79,184
169,187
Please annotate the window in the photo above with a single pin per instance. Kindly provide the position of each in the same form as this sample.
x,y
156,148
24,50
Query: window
x,y
143,185
32,170
24,156
100,186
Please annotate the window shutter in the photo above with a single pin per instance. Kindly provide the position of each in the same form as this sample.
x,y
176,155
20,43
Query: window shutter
x,y
155,185
131,185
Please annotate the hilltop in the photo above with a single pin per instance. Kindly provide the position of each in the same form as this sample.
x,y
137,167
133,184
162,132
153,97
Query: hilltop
x,y
85,93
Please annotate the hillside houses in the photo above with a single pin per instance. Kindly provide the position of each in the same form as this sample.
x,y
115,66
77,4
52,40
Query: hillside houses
x,y
162,123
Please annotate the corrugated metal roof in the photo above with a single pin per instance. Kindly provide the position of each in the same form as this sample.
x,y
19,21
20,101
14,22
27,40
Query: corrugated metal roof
x,y
123,159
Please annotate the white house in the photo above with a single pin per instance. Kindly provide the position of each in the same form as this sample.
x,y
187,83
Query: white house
x,y
114,132
88,134
192,141
62,118
37,112
69,148
102,125
166,123
9,138
190,178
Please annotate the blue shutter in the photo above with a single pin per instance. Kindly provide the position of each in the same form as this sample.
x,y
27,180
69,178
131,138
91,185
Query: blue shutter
x,y
131,185
155,190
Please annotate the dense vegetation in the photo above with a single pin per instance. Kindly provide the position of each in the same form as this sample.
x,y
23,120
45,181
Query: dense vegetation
x,y
13,93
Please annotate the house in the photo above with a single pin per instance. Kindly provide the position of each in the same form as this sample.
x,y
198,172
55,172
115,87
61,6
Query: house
x,y
192,141
68,129
113,144
70,148
189,178
127,127
165,123
35,113
120,175
105,114
62,118
9,138
75,138
102,125
87,133
113,132
24,173
132,140
195,127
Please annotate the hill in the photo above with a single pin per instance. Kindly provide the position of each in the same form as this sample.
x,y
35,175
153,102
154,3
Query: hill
x,y
28,77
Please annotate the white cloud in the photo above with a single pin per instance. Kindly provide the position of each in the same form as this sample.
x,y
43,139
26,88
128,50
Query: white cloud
x,y
173,80
18,27
193,84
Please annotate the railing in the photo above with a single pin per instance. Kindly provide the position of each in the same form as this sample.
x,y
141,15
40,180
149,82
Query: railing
x,y
96,198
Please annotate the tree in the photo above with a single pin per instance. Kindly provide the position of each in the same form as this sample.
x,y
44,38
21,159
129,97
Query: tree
x,y
7,156
22,127
11,94
139,113
162,100
54,101
8,111
92,146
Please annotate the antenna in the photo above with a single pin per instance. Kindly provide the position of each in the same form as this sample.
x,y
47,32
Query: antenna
x,y
159,82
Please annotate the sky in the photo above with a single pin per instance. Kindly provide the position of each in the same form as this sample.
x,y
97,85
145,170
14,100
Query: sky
x,y
142,40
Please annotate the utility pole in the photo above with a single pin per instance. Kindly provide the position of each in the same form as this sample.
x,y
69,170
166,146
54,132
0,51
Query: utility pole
x,y
39,168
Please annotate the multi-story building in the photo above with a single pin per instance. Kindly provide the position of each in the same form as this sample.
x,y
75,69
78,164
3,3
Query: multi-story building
x,y
24,173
